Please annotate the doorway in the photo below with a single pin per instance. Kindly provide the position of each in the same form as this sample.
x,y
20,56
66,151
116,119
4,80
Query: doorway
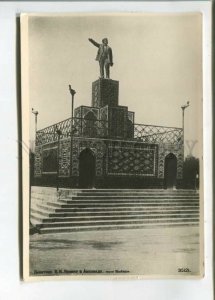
x,y
87,169
170,171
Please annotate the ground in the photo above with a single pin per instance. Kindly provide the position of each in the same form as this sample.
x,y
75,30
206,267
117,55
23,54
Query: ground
x,y
154,251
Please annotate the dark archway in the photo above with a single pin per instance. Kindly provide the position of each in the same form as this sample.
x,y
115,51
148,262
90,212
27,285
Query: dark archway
x,y
87,169
170,171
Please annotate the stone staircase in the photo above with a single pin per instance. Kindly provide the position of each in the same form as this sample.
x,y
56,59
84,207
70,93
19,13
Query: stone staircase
x,y
82,210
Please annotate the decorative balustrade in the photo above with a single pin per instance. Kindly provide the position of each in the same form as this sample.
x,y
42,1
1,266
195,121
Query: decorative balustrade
x,y
49,134
158,134
103,129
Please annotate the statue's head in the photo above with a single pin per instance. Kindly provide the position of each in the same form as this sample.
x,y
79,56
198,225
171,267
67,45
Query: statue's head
x,y
105,41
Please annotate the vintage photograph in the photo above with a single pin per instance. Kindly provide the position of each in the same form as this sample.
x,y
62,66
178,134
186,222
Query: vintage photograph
x,y
113,158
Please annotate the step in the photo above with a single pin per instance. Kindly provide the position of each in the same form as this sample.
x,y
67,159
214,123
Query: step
x,y
39,219
128,221
42,213
118,209
90,201
129,197
116,217
60,218
128,212
129,190
120,203
133,195
46,208
115,207
130,204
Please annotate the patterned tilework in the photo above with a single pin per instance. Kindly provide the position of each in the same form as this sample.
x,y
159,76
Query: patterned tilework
x,y
38,161
164,150
118,117
64,158
132,159
104,113
82,111
87,110
49,160
105,91
42,152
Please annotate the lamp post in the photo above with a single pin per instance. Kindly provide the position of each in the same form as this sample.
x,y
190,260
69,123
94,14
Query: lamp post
x,y
35,112
72,92
183,109
59,133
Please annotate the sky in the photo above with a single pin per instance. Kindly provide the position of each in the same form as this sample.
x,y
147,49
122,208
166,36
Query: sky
x,y
157,61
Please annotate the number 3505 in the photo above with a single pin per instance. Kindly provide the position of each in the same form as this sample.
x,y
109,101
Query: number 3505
x,y
184,270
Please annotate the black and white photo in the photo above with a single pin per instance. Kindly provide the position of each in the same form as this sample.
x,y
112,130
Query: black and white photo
x,y
112,115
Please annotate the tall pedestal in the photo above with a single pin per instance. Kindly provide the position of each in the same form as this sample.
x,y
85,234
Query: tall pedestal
x,y
105,92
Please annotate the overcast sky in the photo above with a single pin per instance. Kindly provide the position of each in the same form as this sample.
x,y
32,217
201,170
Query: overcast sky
x,y
157,60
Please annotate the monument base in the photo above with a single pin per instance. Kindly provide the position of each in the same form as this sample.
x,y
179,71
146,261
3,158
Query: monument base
x,y
105,92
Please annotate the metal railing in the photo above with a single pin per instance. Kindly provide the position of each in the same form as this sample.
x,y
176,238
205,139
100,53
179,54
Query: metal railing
x,y
110,130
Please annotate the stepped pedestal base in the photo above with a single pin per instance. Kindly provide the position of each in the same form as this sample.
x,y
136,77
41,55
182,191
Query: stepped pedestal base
x,y
79,210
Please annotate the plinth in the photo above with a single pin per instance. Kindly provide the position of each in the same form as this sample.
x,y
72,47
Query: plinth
x,y
105,92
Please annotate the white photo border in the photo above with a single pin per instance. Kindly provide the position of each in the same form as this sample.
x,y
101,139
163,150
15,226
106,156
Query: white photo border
x,y
148,289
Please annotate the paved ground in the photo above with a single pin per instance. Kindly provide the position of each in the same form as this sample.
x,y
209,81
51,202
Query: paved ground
x,y
157,251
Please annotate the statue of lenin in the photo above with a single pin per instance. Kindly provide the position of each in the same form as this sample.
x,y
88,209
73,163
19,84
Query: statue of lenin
x,y
104,57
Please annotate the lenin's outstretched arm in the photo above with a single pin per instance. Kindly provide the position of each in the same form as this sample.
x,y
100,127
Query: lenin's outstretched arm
x,y
94,43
